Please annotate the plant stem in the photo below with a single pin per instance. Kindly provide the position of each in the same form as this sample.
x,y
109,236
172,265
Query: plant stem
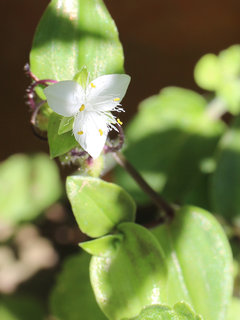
x,y
157,199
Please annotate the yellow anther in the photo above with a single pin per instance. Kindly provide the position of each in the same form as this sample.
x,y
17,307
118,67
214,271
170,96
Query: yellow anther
x,y
82,107
116,99
92,85
80,132
119,121
101,132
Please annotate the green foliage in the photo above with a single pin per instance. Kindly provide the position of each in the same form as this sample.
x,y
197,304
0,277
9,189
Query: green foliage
x,y
59,143
168,141
129,276
221,74
98,206
72,298
28,185
65,125
180,311
234,310
20,308
225,189
73,34
199,262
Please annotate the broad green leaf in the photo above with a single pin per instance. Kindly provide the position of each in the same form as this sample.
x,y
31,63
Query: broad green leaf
x,y
180,311
225,189
132,276
207,72
73,34
234,310
72,298
59,144
98,206
66,125
168,140
199,262
230,93
28,185
20,308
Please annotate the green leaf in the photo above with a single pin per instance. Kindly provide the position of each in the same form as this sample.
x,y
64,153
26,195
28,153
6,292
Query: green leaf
x,y
28,185
132,276
98,206
229,61
20,308
199,262
82,77
72,298
207,72
180,311
168,140
66,125
102,247
234,309
73,34
59,144
225,191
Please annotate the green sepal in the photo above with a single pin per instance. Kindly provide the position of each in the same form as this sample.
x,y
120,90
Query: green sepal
x,y
102,247
66,125
82,77
98,206
59,144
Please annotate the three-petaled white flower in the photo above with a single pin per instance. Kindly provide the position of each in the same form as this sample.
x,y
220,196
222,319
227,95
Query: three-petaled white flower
x,y
91,107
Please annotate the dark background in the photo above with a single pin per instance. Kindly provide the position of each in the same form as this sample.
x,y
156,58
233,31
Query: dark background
x,y
162,40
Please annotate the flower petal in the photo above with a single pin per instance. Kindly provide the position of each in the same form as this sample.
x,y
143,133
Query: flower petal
x,y
65,97
90,130
106,92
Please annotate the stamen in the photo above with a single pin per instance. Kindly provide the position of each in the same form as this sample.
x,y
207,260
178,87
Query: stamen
x,y
116,99
92,85
101,132
119,121
82,107
80,132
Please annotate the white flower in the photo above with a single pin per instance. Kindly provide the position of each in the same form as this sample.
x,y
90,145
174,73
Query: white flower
x,y
91,107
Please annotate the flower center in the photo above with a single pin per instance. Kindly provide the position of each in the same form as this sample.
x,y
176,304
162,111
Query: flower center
x,y
101,132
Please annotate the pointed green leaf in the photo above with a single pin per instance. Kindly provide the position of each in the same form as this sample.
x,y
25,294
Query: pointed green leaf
x,y
66,125
225,191
199,262
72,298
73,34
102,247
98,206
132,276
82,77
59,144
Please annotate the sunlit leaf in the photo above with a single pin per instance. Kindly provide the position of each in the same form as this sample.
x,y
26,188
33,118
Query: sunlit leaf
x,y
98,206
131,276
73,34
199,262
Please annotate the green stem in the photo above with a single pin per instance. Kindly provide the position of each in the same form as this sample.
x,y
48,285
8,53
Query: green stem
x,y
157,199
